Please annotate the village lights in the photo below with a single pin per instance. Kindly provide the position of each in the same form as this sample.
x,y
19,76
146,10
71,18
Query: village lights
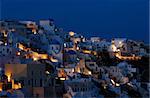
x,y
71,33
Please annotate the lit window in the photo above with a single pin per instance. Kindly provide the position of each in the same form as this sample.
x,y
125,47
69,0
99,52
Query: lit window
x,y
71,33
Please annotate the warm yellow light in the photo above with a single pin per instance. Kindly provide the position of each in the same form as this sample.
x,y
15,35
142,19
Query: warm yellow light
x,y
35,54
13,85
18,53
94,53
35,59
34,31
19,85
71,33
127,57
16,86
54,60
0,89
5,34
41,56
114,48
72,70
87,51
1,86
89,72
21,46
44,56
9,77
78,70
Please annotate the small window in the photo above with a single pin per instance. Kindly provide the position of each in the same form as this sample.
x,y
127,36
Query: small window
x,y
57,48
32,73
41,83
35,82
32,82
28,82
7,50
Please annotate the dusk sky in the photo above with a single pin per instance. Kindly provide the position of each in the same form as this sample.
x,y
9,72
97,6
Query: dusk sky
x,y
103,18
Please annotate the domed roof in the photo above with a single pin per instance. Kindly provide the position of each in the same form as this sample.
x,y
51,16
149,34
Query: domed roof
x,y
71,52
54,41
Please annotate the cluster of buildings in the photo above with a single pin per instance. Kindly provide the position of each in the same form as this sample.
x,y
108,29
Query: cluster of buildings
x,y
38,59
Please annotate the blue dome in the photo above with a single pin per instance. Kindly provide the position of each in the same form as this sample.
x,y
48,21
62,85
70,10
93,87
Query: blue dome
x,y
54,42
71,52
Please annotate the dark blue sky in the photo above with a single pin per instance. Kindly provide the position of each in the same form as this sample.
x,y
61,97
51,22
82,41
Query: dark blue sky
x,y
104,18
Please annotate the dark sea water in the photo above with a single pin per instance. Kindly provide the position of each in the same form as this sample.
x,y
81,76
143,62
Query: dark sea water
x,y
104,18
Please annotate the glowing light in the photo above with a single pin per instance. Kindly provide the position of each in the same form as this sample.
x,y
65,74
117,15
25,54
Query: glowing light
x,y
5,34
112,41
117,84
77,48
1,86
18,53
34,31
89,72
54,60
13,30
47,72
71,33
20,46
62,79
12,82
95,53
87,51
78,70
35,59
72,70
129,84
120,42
78,59
113,82
16,86
133,57
5,44
9,77
114,48
83,40
19,85
43,56
65,45
1,42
